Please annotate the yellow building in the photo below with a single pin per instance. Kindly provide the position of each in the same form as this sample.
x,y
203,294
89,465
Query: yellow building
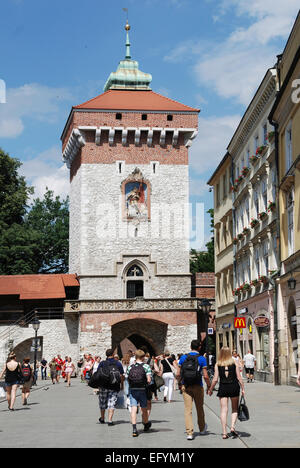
x,y
223,228
285,116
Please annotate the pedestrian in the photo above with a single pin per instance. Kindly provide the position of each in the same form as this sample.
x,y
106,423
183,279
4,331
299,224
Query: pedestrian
x,y
88,368
63,370
69,368
44,369
108,391
227,371
28,376
53,371
139,376
239,360
192,366
125,364
250,364
132,356
298,376
94,370
13,378
170,370
80,367
59,365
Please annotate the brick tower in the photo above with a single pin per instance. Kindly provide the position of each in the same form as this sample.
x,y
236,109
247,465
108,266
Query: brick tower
x,y
127,151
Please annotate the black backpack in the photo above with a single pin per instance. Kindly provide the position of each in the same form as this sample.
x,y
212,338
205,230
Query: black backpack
x,y
108,375
190,370
26,372
137,376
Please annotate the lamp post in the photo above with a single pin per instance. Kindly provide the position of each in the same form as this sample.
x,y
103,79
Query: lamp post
x,y
205,307
35,325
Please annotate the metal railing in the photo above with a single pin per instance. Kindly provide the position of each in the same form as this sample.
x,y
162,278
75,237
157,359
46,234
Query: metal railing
x,y
24,321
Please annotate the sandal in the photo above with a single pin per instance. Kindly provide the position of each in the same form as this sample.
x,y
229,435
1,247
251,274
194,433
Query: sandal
x,y
234,434
225,436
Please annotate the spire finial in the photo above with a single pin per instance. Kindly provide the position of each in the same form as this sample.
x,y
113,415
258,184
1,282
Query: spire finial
x,y
127,29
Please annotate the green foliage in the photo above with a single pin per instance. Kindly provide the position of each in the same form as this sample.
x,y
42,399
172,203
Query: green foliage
x,y
49,218
201,262
32,239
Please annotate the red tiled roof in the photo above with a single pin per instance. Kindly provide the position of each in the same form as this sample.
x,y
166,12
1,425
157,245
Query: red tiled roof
x,y
114,99
37,286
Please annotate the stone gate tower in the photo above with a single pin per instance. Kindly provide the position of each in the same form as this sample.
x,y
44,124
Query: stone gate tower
x,y
127,151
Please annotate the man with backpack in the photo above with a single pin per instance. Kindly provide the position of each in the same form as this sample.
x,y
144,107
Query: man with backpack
x,y
191,368
110,374
139,377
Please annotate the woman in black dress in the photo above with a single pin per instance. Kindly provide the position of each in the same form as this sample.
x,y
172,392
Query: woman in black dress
x,y
228,373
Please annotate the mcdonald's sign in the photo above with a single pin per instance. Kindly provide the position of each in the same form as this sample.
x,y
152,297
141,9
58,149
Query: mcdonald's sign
x,y
239,322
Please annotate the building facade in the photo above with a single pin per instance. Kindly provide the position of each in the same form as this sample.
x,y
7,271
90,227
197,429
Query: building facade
x,y
223,235
255,227
285,116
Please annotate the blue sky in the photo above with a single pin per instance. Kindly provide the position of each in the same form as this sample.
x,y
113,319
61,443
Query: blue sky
x,y
210,54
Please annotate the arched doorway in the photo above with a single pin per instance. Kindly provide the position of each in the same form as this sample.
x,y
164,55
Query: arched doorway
x,y
292,338
137,333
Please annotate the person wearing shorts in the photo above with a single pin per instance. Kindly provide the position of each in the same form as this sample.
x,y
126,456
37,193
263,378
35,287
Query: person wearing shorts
x,y
108,396
138,393
249,363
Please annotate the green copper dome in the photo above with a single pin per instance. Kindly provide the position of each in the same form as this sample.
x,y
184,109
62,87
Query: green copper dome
x,y
128,75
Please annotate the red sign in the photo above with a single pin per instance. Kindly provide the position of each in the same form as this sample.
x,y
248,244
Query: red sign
x,y
262,321
239,322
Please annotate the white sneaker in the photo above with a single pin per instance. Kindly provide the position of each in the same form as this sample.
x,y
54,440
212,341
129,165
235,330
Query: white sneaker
x,y
204,431
190,437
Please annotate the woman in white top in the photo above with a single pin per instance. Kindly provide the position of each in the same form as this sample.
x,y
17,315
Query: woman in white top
x,y
239,360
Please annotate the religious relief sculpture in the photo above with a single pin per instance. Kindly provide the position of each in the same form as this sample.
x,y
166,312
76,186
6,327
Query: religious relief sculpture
x,y
136,199
136,196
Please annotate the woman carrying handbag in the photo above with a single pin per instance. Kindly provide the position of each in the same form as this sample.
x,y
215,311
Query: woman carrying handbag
x,y
227,371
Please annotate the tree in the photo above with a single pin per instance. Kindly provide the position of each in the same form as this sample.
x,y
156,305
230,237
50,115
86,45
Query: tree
x,y
49,217
204,261
33,239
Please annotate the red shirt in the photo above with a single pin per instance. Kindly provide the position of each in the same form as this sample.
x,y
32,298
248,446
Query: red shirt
x,y
59,363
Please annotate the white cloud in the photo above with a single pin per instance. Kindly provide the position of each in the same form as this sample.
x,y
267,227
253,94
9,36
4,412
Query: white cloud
x,y
47,170
212,140
235,67
32,101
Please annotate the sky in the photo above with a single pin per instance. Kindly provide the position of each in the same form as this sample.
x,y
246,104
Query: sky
x,y
209,54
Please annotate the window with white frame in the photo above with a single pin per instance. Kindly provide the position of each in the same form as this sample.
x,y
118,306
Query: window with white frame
x,y
248,157
249,268
290,220
288,147
256,199
247,210
264,190
265,134
266,256
257,259
274,182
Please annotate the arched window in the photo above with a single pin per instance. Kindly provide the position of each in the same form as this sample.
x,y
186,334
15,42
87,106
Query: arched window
x,y
135,286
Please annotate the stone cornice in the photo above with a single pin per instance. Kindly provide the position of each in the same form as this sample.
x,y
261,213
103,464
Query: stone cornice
x,y
263,98
125,305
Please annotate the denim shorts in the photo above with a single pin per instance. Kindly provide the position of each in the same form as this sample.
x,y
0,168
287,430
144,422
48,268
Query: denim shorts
x,y
10,384
138,397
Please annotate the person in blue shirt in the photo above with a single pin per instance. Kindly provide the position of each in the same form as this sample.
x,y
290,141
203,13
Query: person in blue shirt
x,y
193,390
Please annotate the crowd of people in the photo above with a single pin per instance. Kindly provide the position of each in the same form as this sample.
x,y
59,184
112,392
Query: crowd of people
x,y
133,381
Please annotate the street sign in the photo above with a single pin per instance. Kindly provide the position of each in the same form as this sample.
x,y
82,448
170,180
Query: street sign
x,y
239,322
210,331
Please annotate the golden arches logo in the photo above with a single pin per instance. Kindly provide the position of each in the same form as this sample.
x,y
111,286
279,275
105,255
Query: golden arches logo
x,y
239,322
